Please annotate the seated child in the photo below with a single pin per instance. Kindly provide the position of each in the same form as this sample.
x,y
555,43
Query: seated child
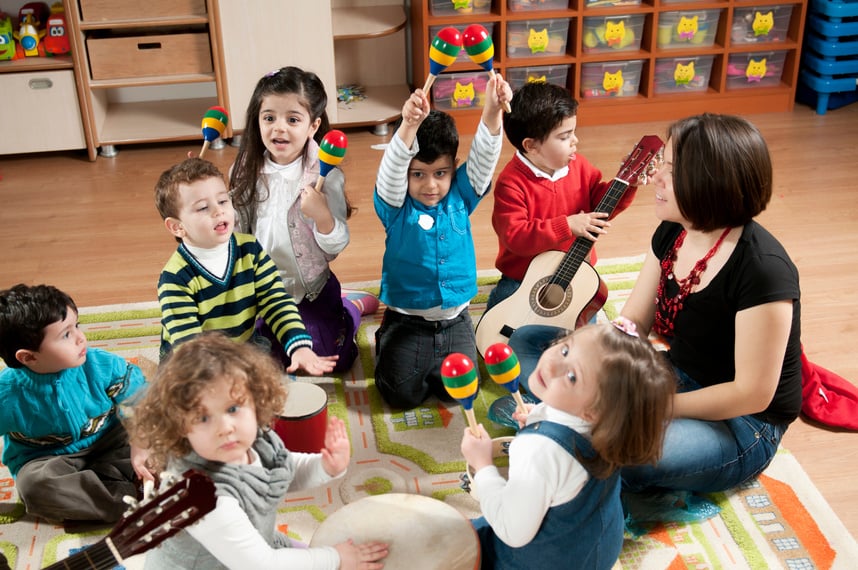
x,y
218,279
429,272
210,408
62,439
605,402
546,195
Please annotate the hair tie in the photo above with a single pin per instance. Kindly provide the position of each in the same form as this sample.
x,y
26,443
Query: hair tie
x,y
273,73
628,326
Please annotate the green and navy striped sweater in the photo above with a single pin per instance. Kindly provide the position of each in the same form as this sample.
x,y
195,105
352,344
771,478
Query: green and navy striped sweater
x,y
193,300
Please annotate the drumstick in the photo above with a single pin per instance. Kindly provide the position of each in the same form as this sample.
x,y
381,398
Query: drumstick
x,y
502,365
480,48
332,150
443,50
461,382
215,121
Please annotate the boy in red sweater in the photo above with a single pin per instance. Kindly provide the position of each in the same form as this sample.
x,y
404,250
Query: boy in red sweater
x,y
546,195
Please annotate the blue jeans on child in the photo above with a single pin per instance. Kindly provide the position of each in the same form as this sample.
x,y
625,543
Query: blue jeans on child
x,y
409,352
707,456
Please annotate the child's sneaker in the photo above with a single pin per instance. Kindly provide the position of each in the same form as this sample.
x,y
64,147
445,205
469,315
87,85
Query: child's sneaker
x,y
366,302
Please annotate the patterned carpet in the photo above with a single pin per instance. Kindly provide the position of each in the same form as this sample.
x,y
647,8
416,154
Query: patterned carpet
x,y
778,521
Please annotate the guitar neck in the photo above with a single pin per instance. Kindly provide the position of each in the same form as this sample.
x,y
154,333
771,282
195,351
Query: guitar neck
x,y
581,247
95,557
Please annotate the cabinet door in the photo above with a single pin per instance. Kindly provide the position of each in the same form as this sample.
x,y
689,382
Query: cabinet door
x,y
264,35
45,116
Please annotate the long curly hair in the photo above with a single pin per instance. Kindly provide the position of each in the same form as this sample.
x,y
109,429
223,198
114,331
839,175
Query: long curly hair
x,y
161,420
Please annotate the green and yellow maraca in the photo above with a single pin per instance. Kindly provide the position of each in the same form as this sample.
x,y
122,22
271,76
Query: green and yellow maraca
x,y
332,150
503,367
461,381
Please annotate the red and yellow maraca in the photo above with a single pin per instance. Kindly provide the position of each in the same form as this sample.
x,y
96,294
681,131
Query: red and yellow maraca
x,y
443,50
479,46
215,121
503,367
332,150
461,381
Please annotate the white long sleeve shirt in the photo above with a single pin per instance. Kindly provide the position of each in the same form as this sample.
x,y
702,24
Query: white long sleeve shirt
x,y
541,475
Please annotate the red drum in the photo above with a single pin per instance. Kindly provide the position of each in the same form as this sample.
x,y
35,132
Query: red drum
x,y
421,533
302,423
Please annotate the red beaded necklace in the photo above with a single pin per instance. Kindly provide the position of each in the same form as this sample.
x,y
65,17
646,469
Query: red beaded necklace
x,y
668,307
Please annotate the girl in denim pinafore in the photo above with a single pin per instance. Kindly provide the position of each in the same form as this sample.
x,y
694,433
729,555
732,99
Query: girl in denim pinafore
x,y
605,401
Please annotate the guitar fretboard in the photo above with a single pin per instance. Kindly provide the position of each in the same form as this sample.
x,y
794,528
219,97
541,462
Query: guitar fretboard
x,y
98,557
581,247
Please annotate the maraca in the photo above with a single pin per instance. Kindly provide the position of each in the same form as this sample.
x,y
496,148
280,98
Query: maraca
x,y
214,122
461,382
443,50
331,153
480,48
502,365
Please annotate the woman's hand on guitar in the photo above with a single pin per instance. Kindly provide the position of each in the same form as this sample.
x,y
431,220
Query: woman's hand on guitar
x,y
588,225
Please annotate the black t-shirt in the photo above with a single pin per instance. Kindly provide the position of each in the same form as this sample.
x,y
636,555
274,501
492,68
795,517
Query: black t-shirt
x,y
758,271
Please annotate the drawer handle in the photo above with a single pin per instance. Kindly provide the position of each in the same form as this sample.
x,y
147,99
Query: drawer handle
x,y
149,45
40,83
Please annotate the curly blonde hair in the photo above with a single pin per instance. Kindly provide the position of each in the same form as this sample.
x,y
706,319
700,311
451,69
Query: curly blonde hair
x,y
160,421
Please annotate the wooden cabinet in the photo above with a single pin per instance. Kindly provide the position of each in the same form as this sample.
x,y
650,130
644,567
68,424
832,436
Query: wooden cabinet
x,y
40,110
146,72
342,41
669,74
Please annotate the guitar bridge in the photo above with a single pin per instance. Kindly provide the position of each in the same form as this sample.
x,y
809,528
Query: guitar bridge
x,y
507,331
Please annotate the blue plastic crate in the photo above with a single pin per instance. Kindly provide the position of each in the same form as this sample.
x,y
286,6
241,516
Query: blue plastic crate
x,y
835,8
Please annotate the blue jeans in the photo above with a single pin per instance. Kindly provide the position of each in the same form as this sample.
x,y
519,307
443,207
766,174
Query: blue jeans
x,y
707,456
529,342
505,287
409,352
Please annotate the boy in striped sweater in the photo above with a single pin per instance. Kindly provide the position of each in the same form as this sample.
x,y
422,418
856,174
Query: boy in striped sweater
x,y
218,279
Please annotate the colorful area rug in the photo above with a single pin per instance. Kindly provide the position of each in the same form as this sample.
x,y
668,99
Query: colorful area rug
x,y
778,521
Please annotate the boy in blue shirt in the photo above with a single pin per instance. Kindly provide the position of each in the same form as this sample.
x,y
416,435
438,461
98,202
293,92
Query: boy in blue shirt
x,y
429,271
62,438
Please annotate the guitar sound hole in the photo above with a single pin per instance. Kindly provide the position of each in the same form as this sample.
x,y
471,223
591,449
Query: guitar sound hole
x,y
551,296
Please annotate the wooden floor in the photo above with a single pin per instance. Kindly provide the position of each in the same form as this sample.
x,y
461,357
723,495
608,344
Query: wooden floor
x,y
92,230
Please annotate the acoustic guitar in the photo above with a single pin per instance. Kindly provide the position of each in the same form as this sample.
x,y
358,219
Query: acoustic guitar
x,y
151,523
562,289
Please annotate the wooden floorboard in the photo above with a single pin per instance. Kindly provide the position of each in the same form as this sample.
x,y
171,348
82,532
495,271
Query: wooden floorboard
x,y
91,229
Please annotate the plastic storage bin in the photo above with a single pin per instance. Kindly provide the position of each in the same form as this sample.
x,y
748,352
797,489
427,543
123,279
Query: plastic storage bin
x,y
452,91
461,7
536,5
463,55
687,28
537,38
760,24
554,74
757,69
606,34
683,74
611,78
607,3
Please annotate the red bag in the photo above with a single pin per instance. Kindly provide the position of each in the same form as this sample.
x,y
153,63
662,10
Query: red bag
x,y
828,398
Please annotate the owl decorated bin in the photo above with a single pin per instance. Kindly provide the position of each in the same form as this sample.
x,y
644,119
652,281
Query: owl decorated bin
x,y
459,7
610,34
554,74
611,78
459,91
687,28
754,70
537,38
682,74
761,24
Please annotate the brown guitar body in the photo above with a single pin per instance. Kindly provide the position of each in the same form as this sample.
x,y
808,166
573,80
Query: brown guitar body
x,y
540,302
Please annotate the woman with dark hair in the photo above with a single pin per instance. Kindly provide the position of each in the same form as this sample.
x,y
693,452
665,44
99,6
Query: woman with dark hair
x,y
724,294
